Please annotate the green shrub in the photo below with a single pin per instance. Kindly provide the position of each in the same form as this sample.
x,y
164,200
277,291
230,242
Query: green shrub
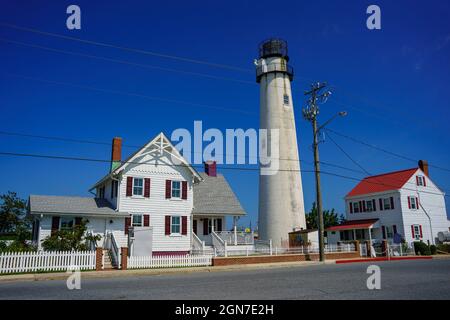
x,y
443,247
421,248
433,249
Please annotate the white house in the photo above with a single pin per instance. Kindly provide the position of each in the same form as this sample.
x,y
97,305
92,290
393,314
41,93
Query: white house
x,y
393,206
154,189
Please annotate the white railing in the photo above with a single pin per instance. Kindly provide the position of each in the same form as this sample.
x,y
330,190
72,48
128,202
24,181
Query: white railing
x,y
114,249
16,262
220,246
197,244
398,250
236,238
263,246
170,261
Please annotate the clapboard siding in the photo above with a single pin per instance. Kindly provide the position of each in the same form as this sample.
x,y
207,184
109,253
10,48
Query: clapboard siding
x,y
157,206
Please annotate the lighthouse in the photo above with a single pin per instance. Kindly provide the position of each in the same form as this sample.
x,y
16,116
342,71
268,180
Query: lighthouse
x,y
281,206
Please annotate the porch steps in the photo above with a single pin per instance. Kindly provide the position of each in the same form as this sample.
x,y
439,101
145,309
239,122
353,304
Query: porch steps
x,y
107,263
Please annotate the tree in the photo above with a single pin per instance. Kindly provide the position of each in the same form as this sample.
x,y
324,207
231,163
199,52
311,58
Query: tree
x,y
330,218
72,239
12,212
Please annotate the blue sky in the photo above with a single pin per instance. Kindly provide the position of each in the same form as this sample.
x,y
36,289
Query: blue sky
x,y
393,82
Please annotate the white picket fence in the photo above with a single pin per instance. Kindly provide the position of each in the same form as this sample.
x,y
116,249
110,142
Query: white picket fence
x,y
16,262
169,261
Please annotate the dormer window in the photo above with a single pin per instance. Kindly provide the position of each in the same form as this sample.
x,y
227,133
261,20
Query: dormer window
x,y
286,99
420,181
138,187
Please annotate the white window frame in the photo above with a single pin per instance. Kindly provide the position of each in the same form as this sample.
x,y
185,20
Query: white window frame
x,y
133,224
179,189
172,224
141,186
356,208
413,203
389,232
67,219
387,204
416,234
421,181
369,206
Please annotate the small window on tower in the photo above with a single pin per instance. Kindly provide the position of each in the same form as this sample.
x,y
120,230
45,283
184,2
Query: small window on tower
x,y
286,100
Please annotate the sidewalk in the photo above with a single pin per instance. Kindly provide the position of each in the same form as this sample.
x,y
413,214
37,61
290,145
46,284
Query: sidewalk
x,y
150,272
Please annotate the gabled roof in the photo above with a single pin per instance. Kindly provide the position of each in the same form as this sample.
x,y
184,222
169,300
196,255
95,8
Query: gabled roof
x,y
354,224
160,143
383,182
214,196
72,206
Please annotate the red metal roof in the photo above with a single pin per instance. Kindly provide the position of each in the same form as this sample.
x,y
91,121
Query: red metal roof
x,y
353,224
383,182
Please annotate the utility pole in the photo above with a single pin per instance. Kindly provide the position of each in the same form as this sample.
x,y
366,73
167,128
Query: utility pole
x,y
310,113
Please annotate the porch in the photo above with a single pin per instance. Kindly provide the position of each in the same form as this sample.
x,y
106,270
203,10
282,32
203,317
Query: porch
x,y
360,230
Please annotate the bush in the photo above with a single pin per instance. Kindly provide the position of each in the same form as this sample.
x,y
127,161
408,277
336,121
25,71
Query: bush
x,y
421,248
443,247
433,249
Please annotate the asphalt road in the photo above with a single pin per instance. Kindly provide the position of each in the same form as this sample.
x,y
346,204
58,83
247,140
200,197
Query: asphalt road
x,y
419,279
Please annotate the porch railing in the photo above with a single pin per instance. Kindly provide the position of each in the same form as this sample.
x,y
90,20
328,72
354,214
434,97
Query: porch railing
x,y
220,245
197,244
236,238
113,248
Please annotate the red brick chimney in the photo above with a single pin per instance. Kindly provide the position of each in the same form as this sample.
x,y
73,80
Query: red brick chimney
x,y
423,165
116,152
210,168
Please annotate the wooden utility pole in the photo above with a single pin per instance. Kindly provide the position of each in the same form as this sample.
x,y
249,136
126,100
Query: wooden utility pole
x,y
310,113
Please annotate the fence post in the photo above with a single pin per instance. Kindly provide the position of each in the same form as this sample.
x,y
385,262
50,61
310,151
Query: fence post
x,y
98,259
124,257
270,246
225,248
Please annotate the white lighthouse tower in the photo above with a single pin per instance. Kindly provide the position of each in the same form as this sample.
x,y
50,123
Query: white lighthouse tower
x,y
281,207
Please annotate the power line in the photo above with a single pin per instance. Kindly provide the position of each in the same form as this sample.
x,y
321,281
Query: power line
x,y
381,149
44,156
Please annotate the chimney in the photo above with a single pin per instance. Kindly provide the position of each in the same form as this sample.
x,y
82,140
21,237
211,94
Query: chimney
x,y
210,168
116,153
423,165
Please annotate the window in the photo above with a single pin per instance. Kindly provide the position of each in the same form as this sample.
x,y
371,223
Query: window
x,y
387,204
356,208
138,186
114,188
369,206
101,192
420,181
413,203
175,225
286,100
389,232
176,189
66,223
137,220
416,234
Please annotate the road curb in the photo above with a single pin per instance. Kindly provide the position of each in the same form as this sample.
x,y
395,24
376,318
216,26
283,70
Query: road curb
x,y
158,272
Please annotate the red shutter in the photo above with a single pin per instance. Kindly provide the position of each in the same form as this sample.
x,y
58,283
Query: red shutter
x,y
417,202
184,225
205,226
167,226
364,206
219,224
420,229
392,203
127,224
129,186
374,205
351,207
384,232
194,226
146,220
424,181
412,231
147,187
168,189
381,204
417,180
361,208
184,190
409,202
55,224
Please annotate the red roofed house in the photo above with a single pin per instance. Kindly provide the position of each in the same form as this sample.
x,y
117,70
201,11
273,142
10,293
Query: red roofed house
x,y
398,205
